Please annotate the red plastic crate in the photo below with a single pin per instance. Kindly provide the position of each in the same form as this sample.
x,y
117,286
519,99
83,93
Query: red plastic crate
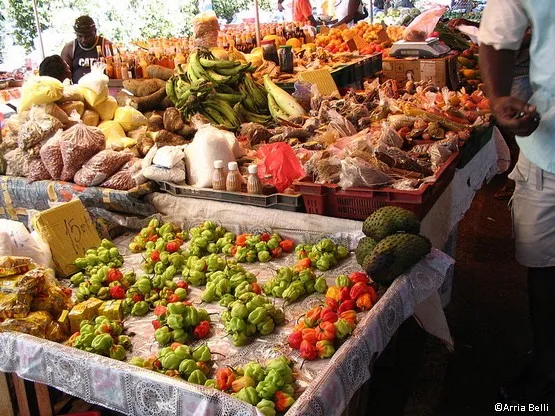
x,y
359,203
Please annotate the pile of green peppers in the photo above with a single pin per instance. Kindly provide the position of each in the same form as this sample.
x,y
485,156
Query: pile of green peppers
x,y
181,362
227,283
178,323
323,255
102,336
249,315
291,285
209,238
152,233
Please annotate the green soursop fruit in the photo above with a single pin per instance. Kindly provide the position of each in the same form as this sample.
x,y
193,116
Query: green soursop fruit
x,y
390,220
364,248
394,255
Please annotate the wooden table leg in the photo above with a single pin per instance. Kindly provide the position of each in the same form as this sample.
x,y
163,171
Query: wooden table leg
x,y
43,399
6,405
21,394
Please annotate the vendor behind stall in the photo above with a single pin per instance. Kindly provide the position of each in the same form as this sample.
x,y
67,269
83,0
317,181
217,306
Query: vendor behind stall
x,y
349,11
302,12
82,52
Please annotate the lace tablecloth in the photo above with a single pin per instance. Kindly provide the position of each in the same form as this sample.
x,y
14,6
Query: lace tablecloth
x,y
325,386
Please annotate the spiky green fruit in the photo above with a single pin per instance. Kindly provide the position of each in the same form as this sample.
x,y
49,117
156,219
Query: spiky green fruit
x,y
390,220
365,247
394,255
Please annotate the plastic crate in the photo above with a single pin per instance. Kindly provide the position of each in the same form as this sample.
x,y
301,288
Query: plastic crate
x,y
285,202
359,203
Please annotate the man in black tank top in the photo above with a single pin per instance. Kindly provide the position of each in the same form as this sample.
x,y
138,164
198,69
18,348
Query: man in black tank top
x,y
82,52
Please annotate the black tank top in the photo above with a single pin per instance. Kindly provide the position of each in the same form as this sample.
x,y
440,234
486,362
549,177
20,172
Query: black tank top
x,y
83,59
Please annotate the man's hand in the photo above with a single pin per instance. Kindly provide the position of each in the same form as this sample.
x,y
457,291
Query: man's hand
x,y
515,115
455,23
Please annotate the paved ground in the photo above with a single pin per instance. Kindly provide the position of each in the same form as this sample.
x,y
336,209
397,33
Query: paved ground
x,y
488,317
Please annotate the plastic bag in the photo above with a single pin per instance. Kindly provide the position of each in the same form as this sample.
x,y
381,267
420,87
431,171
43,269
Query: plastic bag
x,y
71,93
92,98
168,156
421,27
279,161
206,29
125,178
147,160
100,167
96,80
115,136
90,118
40,90
358,172
24,244
51,156
14,305
36,323
17,162
129,118
79,144
40,126
210,144
158,174
107,109
389,137
37,171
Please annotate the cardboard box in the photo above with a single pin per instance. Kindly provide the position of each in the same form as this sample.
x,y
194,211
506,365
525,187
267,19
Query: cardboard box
x,y
442,71
69,231
84,311
112,309
323,80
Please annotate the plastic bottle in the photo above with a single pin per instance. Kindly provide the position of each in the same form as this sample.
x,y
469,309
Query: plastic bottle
x,y
234,179
254,185
218,177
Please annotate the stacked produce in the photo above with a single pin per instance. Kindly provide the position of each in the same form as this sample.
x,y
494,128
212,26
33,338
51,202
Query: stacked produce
x,y
470,69
152,233
209,238
226,281
180,322
102,336
258,247
249,315
323,255
292,285
181,362
209,86
100,275
147,292
392,244
269,387
353,292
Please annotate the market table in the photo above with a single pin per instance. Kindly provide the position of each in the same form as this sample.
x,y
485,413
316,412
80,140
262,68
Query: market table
x,y
134,391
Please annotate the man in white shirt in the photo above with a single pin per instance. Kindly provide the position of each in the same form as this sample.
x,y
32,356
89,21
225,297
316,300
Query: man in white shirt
x,y
502,29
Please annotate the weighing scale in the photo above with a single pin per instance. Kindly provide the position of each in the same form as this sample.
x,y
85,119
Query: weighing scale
x,y
430,48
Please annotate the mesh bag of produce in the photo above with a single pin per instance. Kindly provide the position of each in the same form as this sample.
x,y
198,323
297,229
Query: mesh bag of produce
x,y
101,166
37,128
206,28
51,156
37,171
78,145
17,162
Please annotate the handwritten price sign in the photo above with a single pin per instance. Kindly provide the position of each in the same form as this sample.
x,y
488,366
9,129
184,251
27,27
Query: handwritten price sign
x,y
69,231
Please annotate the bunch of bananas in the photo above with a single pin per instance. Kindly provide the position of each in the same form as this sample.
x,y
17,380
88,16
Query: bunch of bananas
x,y
223,91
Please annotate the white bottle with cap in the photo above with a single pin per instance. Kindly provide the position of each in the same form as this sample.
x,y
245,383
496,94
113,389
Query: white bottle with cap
x,y
234,180
218,177
254,185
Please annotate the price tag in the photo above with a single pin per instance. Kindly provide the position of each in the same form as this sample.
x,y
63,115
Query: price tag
x,y
69,231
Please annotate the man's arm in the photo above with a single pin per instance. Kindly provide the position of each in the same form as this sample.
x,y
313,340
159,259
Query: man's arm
x,y
501,32
351,13
66,54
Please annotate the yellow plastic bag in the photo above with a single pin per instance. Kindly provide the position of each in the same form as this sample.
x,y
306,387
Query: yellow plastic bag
x,y
115,136
107,109
40,90
92,98
129,118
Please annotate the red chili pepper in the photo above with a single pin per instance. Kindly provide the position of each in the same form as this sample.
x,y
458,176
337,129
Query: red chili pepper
x,y
137,297
303,264
312,317
364,302
114,275
350,316
234,250
173,298
358,289
156,324
224,378
287,245
117,292
346,306
241,240
276,252
356,277
326,331
182,284
152,238
344,294
308,350
160,310
310,335
202,329
265,237
155,256
332,303
295,339
328,315
255,288
172,246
